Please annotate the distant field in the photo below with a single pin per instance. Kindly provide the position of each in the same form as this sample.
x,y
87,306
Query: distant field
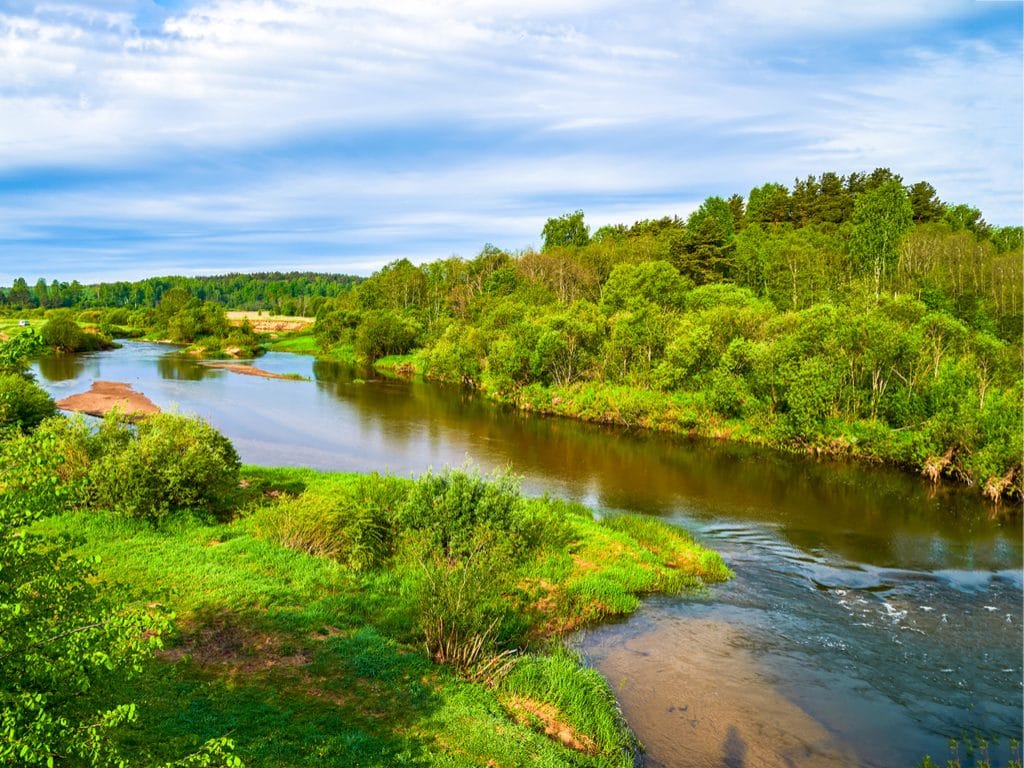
x,y
271,323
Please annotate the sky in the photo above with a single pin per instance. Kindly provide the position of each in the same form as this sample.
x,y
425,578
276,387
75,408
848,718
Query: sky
x,y
156,137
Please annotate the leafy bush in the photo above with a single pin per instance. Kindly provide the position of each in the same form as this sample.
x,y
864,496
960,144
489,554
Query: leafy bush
x,y
167,462
23,404
464,607
450,508
62,333
354,526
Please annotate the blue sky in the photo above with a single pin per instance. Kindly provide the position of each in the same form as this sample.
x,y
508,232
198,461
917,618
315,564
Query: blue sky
x,y
142,138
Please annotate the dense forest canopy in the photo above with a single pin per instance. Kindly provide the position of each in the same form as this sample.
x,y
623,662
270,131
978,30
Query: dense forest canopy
x,y
290,293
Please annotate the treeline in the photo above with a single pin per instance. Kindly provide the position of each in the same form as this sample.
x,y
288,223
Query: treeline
x,y
847,315
287,293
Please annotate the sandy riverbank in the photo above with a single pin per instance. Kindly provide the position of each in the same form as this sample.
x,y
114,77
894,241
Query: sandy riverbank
x,y
105,396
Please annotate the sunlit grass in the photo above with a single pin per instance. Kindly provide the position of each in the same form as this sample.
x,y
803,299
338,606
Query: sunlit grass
x,y
306,659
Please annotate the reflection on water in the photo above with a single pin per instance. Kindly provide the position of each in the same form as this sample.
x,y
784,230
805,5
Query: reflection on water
x,y
58,367
182,367
872,615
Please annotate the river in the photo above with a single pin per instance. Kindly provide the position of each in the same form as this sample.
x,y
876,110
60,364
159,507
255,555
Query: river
x,y
873,616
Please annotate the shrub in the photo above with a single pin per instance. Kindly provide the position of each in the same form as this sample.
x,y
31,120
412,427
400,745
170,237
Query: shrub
x,y
62,333
464,607
450,508
354,527
168,462
23,404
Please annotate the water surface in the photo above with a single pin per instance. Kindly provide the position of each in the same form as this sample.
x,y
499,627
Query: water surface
x,y
872,615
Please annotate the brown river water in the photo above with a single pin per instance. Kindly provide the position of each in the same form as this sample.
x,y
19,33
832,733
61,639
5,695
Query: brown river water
x,y
872,617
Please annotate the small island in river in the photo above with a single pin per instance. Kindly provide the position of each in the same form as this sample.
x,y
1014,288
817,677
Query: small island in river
x,y
105,396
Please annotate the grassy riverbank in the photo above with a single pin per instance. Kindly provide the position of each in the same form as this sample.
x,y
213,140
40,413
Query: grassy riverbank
x,y
311,625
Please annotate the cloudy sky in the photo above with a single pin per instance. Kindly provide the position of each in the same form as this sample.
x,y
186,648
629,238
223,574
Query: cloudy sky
x,y
150,137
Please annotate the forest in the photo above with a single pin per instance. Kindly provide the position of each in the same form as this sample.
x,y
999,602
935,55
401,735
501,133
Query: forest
x,y
846,314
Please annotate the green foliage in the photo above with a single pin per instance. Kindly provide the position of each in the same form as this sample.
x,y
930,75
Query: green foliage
x,y
63,633
62,334
451,508
634,286
566,230
880,218
15,352
355,526
23,404
164,464
385,332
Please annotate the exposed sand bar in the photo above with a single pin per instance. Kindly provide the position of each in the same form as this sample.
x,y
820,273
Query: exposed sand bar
x,y
697,698
248,370
105,396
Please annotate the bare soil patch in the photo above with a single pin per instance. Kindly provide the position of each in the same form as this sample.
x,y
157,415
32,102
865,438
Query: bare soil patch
x,y
105,396
226,642
248,370
525,710
271,323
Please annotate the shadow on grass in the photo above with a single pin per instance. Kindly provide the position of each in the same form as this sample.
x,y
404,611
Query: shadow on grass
x,y
337,697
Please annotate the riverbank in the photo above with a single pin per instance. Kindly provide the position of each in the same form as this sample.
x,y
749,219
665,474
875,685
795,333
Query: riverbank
x,y
690,414
305,655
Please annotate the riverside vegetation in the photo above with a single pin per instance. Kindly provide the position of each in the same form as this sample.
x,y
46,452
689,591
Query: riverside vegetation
x,y
162,605
847,315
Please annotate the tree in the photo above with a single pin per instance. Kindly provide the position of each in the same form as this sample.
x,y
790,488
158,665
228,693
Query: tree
x,y
42,295
769,204
710,231
20,296
880,218
568,229
924,202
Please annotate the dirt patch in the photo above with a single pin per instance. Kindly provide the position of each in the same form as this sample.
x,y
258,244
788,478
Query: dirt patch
x,y
527,711
105,396
271,323
250,370
226,643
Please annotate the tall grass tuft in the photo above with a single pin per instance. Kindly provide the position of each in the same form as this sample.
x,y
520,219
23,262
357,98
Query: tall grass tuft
x,y
579,693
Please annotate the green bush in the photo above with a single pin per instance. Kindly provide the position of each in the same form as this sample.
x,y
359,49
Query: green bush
x,y
62,333
23,404
354,526
166,463
465,610
450,508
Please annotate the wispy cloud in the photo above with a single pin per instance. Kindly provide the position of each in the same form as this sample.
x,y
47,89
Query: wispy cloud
x,y
332,133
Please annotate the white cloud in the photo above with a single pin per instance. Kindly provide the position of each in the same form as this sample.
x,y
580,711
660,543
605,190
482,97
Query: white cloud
x,y
616,108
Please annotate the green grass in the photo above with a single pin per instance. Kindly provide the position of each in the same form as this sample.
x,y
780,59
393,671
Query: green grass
x,y
299,343
305,659
400,365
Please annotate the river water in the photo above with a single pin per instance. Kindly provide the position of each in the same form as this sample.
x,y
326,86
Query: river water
x,y
872,617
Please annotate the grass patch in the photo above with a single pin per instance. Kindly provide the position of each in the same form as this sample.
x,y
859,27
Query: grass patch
x,y
300,343
304,624
403,366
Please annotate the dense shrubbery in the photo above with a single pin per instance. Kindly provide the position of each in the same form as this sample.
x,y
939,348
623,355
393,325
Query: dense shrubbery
x,y
163,464
62,632
23,404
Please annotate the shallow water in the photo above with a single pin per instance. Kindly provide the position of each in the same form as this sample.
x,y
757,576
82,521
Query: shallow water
x,y
872,616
